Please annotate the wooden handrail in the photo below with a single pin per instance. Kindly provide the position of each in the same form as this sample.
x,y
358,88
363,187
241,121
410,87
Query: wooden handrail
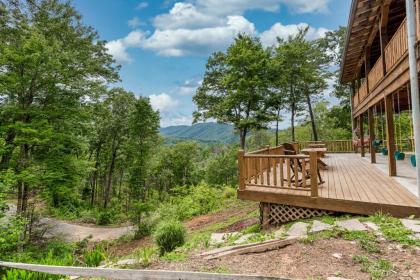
x,y
333,146
397,46
375,74
271,168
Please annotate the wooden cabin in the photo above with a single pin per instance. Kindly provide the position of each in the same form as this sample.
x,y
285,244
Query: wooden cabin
x,y
303,184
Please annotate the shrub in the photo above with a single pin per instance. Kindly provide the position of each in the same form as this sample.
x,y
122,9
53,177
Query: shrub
x,y
94,257
169,235
144,228
104,218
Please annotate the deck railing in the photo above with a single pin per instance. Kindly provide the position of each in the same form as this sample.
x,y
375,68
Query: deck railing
x,y
333,146
363,90
375,74
394,51
271,168
397,46
355,99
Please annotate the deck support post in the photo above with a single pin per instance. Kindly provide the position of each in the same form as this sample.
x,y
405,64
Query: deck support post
x,y
241,169
372,136
265,215
414,79
389,117
313,161
362,136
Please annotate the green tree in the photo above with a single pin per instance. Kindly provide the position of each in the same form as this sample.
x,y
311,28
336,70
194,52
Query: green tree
x,y
235,86
144,126
52,65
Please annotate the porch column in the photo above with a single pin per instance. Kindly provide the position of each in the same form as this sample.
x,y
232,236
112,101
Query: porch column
x,y
389,117
383,33
362,145
367,67
372,136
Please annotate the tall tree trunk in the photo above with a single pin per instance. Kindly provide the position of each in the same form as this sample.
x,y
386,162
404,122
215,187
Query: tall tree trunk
x,y
277,127
292,121
22,186
242,135
108,186
311,114
95,176
7,155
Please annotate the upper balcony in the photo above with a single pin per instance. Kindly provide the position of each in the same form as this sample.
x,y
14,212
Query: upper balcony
x,y
394,57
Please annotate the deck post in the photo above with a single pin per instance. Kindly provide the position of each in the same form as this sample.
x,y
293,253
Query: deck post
x,y
241,169
389,117
313,162
372,136
362,136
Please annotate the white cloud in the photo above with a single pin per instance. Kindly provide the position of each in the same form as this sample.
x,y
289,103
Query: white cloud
x,y
118,48
142,5
179,42
269,37
199,27
228,7
185,15
163,102
135,22
189,87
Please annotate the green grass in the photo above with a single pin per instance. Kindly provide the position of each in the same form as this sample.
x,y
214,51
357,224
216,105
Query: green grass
x,y
377,269
252,229
367,240
174,257
145,255
394,230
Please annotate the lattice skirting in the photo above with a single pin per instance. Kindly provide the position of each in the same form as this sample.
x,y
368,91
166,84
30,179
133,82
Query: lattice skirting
x,y
277,214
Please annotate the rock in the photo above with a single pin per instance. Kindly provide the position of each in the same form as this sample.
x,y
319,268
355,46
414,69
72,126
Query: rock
x,y
372,226
243,238
298,229
352,225
218,238
337,255
413,225
127,262
415,236
318,226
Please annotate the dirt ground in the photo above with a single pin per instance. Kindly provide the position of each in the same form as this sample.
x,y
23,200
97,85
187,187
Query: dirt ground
x,y
297,261
306,261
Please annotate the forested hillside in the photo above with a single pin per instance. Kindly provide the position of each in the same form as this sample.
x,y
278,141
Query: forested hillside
x,y
211,133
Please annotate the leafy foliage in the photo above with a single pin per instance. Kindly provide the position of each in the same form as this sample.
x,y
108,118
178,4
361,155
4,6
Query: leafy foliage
x,y
169,235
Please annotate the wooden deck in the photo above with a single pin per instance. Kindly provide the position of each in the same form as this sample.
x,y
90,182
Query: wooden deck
x,y
351,185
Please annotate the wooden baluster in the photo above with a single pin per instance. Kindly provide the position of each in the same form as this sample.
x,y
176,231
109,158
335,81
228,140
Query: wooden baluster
x,y
288,172
268,171
281,172
296,171
257,168
275,172
304,174
262,170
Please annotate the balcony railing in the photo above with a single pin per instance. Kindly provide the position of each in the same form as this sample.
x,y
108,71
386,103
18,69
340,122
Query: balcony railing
x,y
393,53
397,46
375,74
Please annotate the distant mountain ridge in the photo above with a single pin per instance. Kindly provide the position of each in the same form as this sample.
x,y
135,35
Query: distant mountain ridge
x,y
202,132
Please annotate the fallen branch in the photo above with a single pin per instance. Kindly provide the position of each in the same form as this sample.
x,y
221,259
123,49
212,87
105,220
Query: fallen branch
x,y
252,248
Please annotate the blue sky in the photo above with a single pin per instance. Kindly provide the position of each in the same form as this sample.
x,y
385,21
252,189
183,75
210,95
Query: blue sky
x,y
163,45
